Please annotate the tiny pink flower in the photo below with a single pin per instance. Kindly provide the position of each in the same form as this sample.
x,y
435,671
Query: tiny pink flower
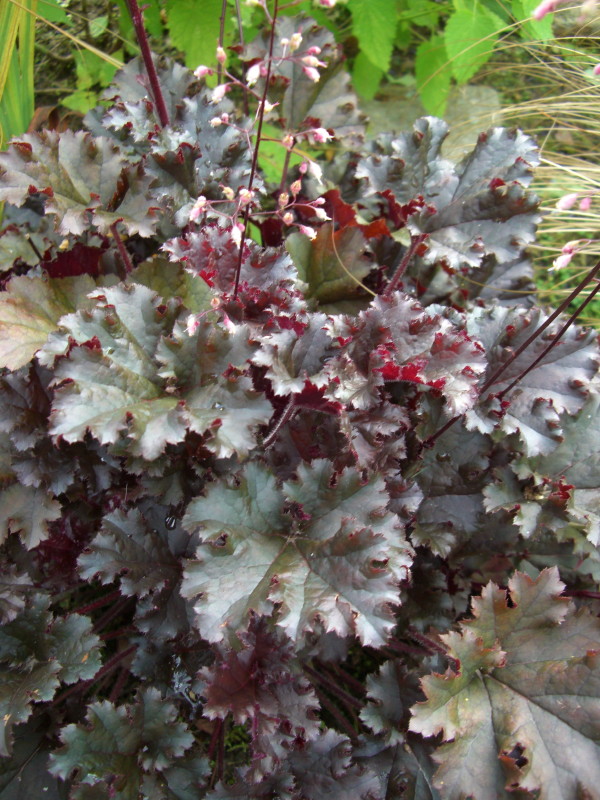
x,y
544,8
295,188
283,199
312,61
201,71
321,135
245,197
228,192
313,51
596,69
307,231
236,233
219,93
567,201
315,171
221,55
198,208
327,3
288,218
192,323
253,74
570,247
562,261
312,73
585,204
295,41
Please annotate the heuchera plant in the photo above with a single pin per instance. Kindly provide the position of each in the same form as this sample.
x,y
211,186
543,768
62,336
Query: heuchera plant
x,y
300,486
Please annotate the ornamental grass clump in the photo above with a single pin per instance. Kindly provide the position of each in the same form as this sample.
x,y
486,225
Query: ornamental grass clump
x,y
290,509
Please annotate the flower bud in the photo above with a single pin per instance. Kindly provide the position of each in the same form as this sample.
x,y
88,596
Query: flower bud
x,y
307,231
245,197
321,135
312,73
295,41
219,93
295,188
221,55
198,208
253,74
567,201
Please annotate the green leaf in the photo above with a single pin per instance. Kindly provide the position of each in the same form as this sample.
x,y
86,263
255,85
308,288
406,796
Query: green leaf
x,y
375,28
53,11
194,29
272,155
27,510
531,29
470,39
433,74
122,744
335,563
520,707
366,77
30,309
332,264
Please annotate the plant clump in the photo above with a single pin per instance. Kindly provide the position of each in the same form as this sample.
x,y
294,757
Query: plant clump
x,y
291,458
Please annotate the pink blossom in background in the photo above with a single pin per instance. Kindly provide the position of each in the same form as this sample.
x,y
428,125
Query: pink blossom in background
x,y
566,202
544,8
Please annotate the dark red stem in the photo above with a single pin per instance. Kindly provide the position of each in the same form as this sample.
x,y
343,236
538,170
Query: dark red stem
x,y
221,38
142,37
125,258
341,720
111,614
102,672
494,377
261,114
347,678
400,647
549,347
415,241
581,593
102,601
333,687
286,415
119,684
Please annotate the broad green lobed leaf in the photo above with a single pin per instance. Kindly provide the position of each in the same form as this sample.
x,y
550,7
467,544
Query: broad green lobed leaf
x,y
521,708
334,558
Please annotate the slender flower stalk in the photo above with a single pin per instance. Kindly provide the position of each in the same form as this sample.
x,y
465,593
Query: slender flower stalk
x,y
411,250
593,273
261,114
142,37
